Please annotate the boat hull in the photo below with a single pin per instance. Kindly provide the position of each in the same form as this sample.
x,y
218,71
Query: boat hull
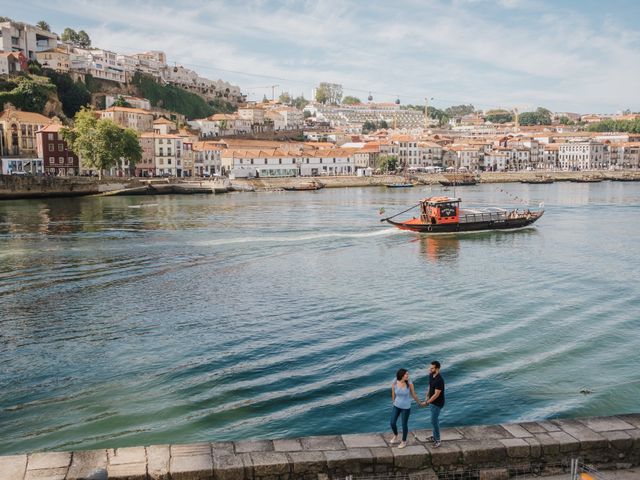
x,y
505,224
447,183
399,185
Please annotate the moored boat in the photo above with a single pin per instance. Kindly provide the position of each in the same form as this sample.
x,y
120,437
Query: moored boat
x,y
458,180
399,185
586,179
313,185
538,179
443,215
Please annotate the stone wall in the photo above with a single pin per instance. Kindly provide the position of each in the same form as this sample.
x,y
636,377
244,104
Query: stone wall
x,y
19,186
487,452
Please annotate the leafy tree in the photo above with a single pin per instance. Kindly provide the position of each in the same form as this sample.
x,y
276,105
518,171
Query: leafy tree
x,y
265,99
383,124
69,35
499,116
368,126
387,163
32,96
285,98
306,114
5,19
73,95
329,93
438,114
83,39
456,111
541,116
300,102
101,144
121,102
42,25
34,67
349,100
221,106
610,125
564,120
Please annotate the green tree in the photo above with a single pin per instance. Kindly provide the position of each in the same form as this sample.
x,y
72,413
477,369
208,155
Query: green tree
x,y
69,35
73,95
121,102
387,163
564,120
265,99
5,19
609,125
300,102
101,144
34,67
31,95
329,93
541,116
498,116
438,114
456,111
285,98
368,126
383,124
42,25
349,100
83,39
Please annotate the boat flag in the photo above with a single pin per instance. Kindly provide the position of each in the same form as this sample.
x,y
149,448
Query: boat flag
x,y
381,211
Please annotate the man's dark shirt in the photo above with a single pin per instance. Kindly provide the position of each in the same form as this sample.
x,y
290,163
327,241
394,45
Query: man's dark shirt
x,y
436,383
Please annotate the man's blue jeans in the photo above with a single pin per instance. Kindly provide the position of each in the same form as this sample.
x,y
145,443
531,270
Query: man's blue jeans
x,y
435,421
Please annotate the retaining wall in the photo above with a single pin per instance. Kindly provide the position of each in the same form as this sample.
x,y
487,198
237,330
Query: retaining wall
x,y
488,452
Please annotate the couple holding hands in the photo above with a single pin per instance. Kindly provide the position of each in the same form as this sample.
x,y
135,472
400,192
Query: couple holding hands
x,y
401,392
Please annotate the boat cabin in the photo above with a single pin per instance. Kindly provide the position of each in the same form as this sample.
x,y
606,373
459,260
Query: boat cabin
x,y
439,210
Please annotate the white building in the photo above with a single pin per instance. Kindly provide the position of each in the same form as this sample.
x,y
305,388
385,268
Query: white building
x,y
28,39
333,161
135,102
207,158
260,163
162,154
10,63
102,64
584,155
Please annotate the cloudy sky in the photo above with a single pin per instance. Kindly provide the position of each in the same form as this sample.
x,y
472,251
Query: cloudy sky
x,y
581,55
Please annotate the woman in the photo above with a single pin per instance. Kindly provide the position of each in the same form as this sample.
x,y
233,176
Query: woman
x,y
400,391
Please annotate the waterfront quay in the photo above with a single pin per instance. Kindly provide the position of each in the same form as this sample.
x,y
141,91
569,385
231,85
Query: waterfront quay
x,y
485,452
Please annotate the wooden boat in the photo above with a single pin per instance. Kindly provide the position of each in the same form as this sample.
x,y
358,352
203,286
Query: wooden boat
x,y
313,185
538,179
443,215
586,179
458,180
627,178
399,185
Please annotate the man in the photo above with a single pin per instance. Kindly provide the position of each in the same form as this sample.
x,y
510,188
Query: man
x,y
435,398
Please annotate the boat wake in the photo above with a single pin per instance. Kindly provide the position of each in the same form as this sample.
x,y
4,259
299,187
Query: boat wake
x,y
299,238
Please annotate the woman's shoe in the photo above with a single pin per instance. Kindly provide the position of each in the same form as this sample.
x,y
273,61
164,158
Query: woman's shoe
x,y
394,440
402,444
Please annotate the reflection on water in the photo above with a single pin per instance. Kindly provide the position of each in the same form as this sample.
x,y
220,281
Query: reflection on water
x,y
141,320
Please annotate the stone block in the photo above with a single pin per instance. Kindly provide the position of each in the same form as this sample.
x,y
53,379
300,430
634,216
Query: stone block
x,y
447,454
382,455
606,424
516,447
48,466
88,465
411,457
248,446
589,440
548,444
549,427
518,431
128,463
567,443
631,419
620,440
426,474
364,440
484,432
446,434
287,445
493,474
307,462
191,462
158,457
229,467
535,447
267,464
13,467
635,435
533,427
481,452
328,442
222,448
353,460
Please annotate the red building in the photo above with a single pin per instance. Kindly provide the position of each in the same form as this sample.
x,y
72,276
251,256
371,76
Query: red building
x,y
52,149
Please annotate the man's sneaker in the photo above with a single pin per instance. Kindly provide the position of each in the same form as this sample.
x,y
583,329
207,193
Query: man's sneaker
x,y
436,444
431,439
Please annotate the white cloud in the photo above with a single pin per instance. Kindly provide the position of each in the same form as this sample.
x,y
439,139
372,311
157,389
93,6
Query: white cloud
x,y
489,52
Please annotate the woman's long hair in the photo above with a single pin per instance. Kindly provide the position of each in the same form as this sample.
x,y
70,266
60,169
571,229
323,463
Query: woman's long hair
x,y
400,373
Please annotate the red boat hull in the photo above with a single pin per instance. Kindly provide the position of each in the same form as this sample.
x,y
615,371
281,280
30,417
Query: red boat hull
x,y
501,224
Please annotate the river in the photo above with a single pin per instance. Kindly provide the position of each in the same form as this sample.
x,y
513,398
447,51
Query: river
x,y
173,319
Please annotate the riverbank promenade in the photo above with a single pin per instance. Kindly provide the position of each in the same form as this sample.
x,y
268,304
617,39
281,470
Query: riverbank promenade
x,y
485,452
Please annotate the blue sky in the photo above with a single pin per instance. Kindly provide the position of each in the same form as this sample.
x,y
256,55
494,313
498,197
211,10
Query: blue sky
x,y
581,56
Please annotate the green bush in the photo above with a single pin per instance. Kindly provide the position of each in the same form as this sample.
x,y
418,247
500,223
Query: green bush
x,y
28,95
73,95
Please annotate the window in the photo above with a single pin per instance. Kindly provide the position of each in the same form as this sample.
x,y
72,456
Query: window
x,y
61,160
60,147
51,147
52,160
50,136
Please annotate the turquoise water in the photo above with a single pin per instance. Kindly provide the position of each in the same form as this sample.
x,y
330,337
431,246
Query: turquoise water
x,y
143,320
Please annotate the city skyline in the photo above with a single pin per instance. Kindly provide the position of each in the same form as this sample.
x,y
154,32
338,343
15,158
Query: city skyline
x,y
580,57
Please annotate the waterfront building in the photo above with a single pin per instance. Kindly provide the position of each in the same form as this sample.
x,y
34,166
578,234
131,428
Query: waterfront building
x,y
26,39
259,163
161,155
99,63
207,158
55,59
333,161
18,131
57,158
136,118
584,155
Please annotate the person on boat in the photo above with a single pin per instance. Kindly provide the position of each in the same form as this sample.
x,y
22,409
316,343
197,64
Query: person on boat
x,y
435,400
401,390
